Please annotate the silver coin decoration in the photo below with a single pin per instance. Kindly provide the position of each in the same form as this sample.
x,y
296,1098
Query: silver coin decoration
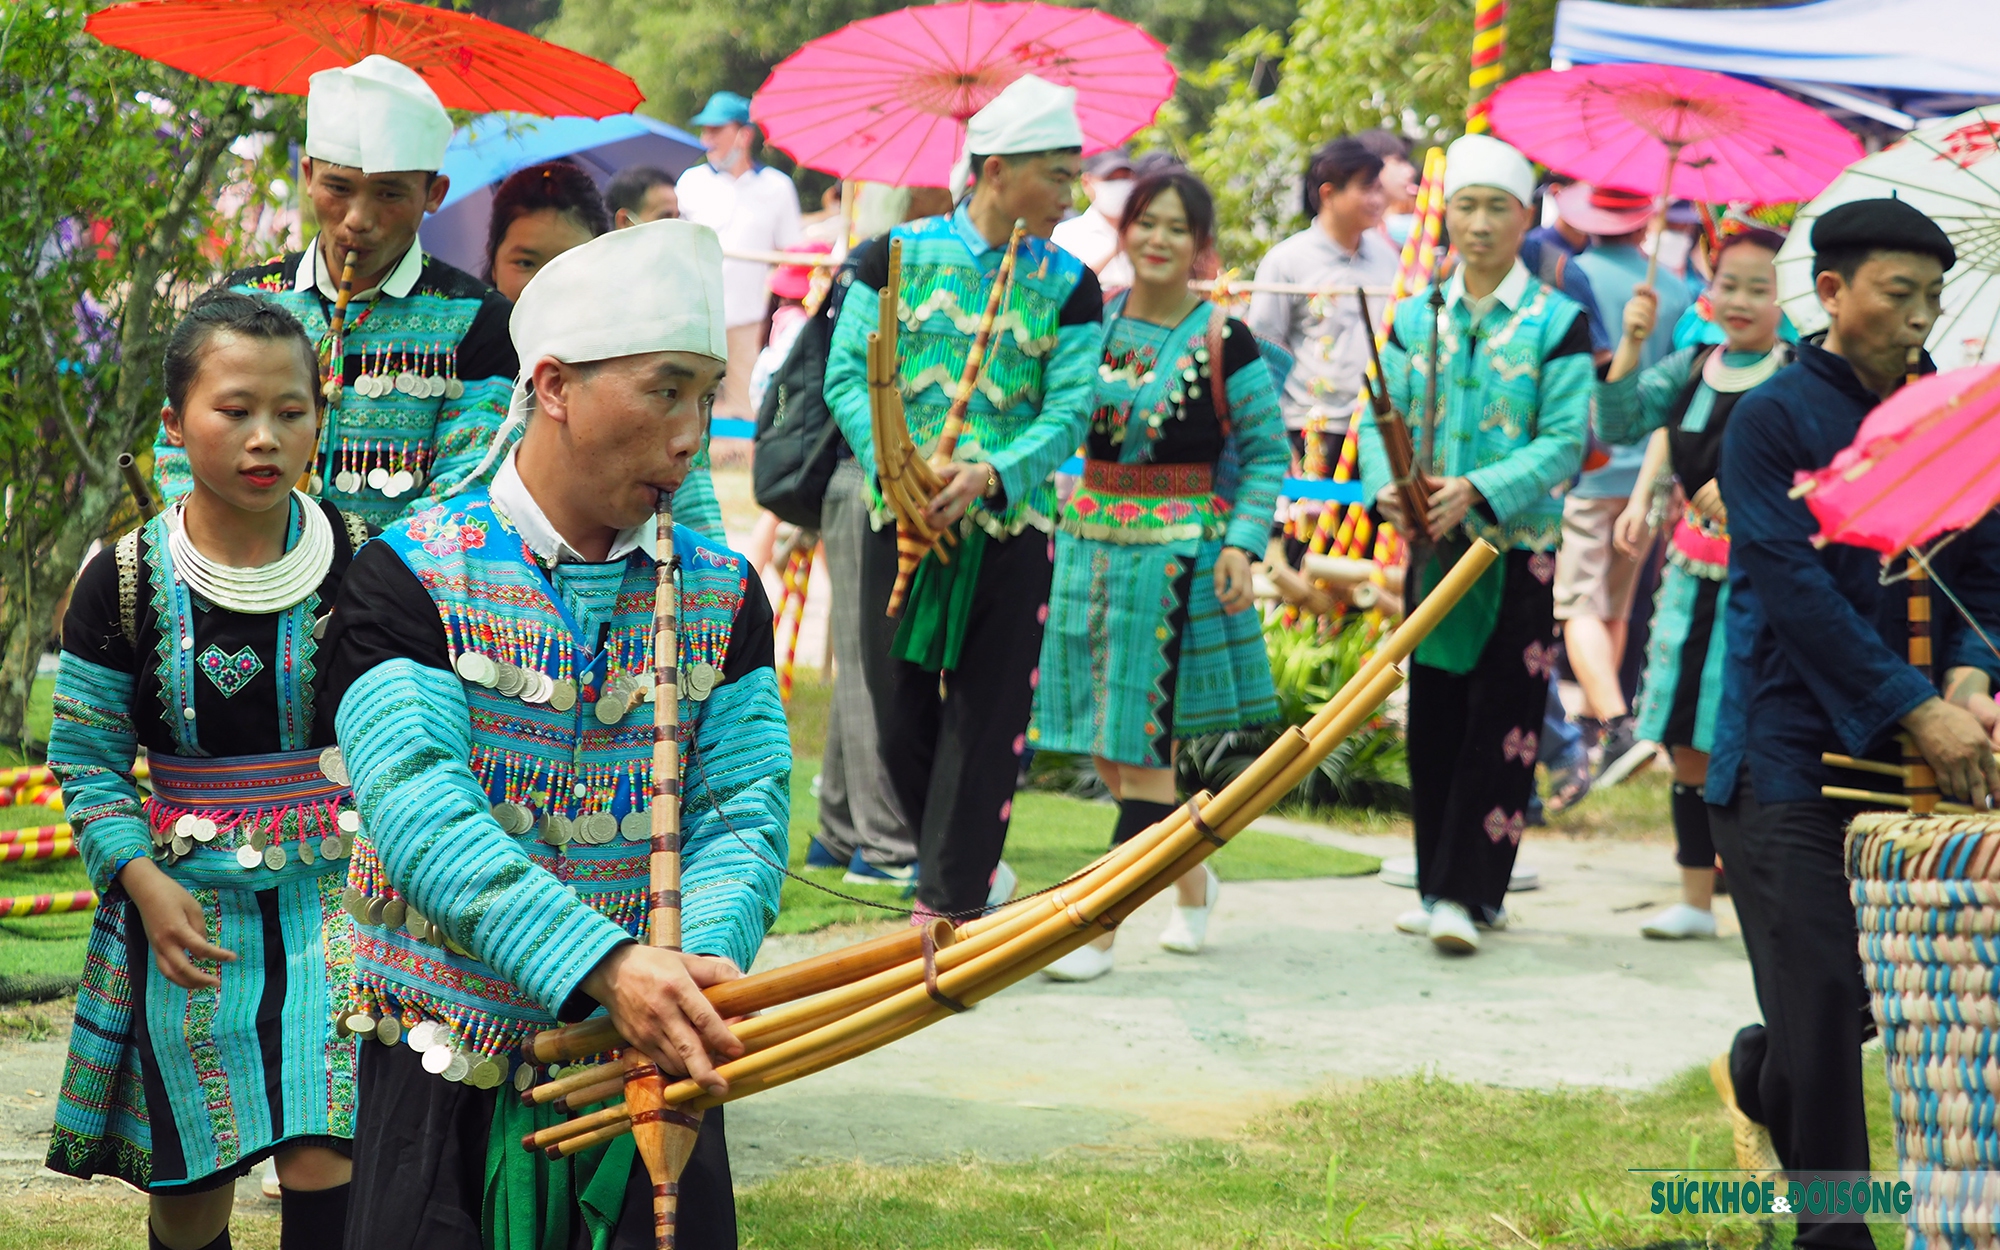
x,y
333,766
457,1069
275,857
389,1030
636,827
248,857
423,1035
393,912
562,697
524,1078
361,1022
307,853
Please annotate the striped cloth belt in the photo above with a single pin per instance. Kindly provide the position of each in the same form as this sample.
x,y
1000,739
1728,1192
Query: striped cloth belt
x,y
246,782
1112,478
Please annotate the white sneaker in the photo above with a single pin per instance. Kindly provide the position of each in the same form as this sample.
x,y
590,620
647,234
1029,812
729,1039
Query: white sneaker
x,y
268,1181
1525,877
1000,890
1189,927
1500,921
1451,929
1680,921
1085,963
1417,920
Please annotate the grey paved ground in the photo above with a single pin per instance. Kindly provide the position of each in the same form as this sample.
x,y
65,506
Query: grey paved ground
x,y
1303,982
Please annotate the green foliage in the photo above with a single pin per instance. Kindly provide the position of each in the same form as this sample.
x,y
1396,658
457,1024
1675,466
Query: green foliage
x,y
109,184
1344,65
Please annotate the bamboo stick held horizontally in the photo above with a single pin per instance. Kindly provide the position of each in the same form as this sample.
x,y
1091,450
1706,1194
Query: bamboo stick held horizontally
x,y
998,950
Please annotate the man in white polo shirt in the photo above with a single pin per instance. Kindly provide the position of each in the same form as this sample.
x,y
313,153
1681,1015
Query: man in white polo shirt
x,y
754,208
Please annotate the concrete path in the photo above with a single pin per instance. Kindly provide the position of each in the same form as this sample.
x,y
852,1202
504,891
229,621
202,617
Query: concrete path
x,y
1303,982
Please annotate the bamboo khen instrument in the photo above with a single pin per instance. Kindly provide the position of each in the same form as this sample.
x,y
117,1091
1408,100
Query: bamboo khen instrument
x,y
665,1135
906,480
135,482
1395,432
336,327
911,549
862,1000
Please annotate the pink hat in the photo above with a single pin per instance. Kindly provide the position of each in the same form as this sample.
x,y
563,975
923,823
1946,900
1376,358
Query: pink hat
x,y
1603,210
793,281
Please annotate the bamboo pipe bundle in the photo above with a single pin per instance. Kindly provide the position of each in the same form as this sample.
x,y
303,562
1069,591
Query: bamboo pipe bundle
x,y
910,552
857,964
1029,937
665,1136
905,478
336,369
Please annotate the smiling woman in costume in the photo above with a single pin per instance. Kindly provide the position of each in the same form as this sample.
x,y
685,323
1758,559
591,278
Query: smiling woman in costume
x,y
1151,636
205,1037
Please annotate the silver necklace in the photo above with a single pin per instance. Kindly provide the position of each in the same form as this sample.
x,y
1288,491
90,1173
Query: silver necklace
x,y
266,588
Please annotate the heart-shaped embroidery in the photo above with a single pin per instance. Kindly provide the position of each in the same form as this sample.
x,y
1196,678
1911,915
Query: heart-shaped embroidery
x,y
230,673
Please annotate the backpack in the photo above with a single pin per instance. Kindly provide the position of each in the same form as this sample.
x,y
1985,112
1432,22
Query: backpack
x,y
798,443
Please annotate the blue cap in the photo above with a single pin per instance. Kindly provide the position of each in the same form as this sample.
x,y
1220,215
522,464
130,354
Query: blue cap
x,y
723,108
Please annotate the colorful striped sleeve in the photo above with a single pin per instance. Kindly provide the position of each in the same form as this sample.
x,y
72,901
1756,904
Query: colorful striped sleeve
x,y
406,734
92,744
735,819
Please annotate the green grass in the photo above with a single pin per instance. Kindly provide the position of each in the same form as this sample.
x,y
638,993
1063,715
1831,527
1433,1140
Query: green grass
x,y
1412,1162
1051,836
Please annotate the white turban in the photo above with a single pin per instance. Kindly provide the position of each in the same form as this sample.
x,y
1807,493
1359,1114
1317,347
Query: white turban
x,y
650,288
1031,115
376,116
1483,161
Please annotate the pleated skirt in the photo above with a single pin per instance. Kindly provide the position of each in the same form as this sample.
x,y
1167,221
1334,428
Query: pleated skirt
x,y
177,1090
1137,653
1682,686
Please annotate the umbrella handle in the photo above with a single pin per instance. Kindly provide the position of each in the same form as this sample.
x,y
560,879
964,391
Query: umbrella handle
x,y
1660,212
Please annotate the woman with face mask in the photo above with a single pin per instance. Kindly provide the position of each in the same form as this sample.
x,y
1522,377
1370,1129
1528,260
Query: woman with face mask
x,y
1684,401
1151,634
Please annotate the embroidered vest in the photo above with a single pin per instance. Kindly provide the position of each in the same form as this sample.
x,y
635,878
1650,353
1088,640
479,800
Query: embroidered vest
x,y
571,788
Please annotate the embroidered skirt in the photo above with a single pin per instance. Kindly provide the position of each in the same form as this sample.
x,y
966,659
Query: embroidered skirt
x,y
1682,687
185,1090
1137,651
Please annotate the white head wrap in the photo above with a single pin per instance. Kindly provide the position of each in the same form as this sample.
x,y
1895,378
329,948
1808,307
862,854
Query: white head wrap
x,y
376,116
1483,161
1031,115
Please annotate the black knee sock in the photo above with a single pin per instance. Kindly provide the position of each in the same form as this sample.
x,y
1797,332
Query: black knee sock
x,y
1136,816
153,1241
313,1219
1694,848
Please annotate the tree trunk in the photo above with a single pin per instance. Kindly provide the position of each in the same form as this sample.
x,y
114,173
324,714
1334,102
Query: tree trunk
x,y
28,616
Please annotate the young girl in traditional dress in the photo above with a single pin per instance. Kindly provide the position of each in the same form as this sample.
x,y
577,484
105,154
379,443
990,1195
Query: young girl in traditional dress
x,y
206,1036
1150,635
1688,398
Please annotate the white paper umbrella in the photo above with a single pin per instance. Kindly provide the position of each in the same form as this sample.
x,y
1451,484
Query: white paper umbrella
x,y
1950,170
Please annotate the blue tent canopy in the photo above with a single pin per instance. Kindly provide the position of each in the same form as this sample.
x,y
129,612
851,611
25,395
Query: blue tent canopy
x,y
1893,61
489,148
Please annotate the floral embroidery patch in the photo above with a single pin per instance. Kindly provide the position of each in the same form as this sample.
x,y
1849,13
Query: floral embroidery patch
x,y
1502,827
443,535
230,673
1540,660
1522,745
1543,566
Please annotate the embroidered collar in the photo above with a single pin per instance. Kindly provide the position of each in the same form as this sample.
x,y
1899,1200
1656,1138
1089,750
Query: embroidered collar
x,y
400,282
510,494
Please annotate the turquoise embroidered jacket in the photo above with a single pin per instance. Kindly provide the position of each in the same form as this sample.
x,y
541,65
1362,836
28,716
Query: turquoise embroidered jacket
x,y
1033,400
1514,398
433,756
449,327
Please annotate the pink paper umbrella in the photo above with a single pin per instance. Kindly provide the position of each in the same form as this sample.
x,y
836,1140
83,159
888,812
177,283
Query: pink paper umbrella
x,y
886,99
1925,462
1691,134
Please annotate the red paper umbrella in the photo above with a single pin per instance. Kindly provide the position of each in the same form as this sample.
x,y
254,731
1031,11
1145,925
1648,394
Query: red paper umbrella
x,y
886,99
278,45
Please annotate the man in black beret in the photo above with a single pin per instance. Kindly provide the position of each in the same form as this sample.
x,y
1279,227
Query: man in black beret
x,y
1818,663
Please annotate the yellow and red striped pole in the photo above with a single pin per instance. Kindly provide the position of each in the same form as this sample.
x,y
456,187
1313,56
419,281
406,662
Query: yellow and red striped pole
x,y
49,848
46,904
1489,56
37,833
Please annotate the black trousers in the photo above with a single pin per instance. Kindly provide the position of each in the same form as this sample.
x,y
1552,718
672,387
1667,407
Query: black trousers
x,y
1800,1074
1473,738
420,1168
952,744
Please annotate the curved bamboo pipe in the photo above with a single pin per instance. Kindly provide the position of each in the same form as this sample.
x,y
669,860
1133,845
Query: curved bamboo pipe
x,y
853,968
995,969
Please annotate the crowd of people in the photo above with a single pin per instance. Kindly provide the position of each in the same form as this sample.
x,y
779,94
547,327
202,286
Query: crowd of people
x,y
388,647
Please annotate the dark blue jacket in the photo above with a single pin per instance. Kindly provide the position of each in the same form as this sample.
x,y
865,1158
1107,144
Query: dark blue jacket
x,y
1818,647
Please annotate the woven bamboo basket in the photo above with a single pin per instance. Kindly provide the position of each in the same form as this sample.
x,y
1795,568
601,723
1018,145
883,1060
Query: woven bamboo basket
x,y
1926,896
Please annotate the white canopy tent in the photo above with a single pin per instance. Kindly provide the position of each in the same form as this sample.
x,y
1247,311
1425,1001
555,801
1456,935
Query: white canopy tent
x,y
1896,62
